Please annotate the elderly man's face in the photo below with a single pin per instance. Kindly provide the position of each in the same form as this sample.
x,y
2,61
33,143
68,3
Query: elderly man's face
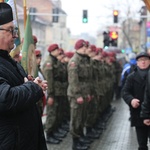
x,y
143,62
7,36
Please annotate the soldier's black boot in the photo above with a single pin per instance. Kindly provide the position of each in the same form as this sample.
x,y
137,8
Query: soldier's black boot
x,y
77,145
91,134
51,140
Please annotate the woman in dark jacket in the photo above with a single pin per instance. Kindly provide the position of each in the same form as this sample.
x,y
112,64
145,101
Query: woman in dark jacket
x,y
20,123
133,95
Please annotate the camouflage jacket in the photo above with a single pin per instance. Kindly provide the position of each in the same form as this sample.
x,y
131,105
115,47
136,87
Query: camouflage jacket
x,y
78,77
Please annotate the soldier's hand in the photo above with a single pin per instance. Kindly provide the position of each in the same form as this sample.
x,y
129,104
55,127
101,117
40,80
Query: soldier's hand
x,y
80,100
89,98
44,85
147,122
135,103
50,101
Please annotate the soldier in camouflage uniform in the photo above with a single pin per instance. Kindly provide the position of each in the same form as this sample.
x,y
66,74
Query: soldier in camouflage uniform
x,y
117,73
41,104
65,60
49,68
98,76
61,84
109,78
107,83
77,94
91,104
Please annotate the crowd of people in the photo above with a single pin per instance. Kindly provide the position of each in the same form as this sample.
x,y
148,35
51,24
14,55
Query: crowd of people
x,y
81,86
75,88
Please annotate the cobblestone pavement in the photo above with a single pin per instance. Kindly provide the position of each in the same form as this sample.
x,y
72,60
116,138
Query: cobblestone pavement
x,y
117,136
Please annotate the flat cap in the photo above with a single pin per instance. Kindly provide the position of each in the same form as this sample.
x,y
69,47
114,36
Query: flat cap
x,y
142,54
52,47
6,14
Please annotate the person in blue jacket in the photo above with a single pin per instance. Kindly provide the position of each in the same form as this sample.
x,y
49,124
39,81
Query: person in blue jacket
x,y
128,68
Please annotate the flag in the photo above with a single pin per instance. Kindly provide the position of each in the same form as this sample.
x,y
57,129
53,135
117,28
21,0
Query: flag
x,y
28,60
17,47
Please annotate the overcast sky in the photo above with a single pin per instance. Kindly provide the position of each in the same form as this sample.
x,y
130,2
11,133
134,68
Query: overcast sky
x,y
99,13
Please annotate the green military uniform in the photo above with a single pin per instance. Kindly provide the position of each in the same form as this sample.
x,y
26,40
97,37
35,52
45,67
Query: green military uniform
x,y
48,70
66,106
60,85
91,105
77,79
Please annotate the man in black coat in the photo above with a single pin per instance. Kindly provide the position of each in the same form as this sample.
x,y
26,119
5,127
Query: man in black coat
x,y
20,122
133,95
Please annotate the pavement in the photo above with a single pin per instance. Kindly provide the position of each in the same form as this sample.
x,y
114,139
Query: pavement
x,y
118,135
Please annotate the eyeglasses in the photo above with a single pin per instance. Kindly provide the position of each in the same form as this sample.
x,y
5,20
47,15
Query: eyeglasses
x,y
14,31
143,59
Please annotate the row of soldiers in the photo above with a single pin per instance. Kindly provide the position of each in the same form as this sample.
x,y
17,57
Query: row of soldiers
x,y
80,90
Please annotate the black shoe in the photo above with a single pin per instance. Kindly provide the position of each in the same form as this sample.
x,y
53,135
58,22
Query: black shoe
x,y
57,134
58,138
98,131
87,138
84,140
65,127
78,146
93,135
62,131
52,140
101,126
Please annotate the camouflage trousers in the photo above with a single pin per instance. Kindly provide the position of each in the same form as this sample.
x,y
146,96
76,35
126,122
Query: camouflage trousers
x,y
77,117
50,124
91,110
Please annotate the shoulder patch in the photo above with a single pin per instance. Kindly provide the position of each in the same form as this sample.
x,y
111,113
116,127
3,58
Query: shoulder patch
x,y
72,64
48,65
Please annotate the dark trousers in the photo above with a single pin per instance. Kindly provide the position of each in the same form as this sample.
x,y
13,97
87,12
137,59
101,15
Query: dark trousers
x,y
143,133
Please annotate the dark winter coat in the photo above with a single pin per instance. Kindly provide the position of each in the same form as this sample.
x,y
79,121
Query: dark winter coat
x,y
134,88
20,122
145,110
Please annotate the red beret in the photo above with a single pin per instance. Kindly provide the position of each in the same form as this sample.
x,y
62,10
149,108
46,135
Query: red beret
x,y
53,47
61,51
111,54
112,59
35,39
37,52
93,48
87,43
104,54
69,54
79,44
99,49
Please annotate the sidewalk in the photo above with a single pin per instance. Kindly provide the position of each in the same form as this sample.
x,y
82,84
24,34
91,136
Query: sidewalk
x,y
117,136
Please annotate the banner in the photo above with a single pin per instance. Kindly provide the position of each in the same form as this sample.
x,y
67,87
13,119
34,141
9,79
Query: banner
x,y
28,60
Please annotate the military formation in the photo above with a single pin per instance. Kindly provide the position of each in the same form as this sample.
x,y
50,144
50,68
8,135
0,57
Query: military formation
x,y
81,87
